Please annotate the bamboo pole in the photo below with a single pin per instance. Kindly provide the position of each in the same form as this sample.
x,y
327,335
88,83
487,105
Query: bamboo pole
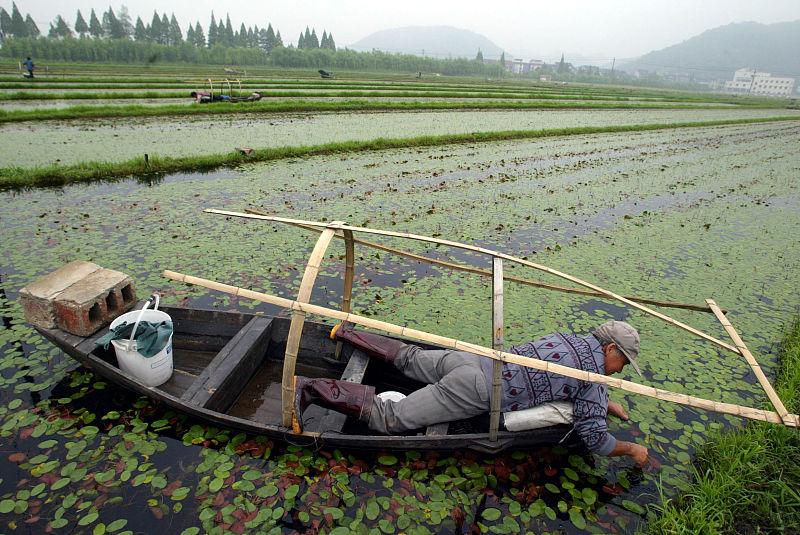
x,y
751,360
496,254
511,278
349,274
497,344
451,343
298,319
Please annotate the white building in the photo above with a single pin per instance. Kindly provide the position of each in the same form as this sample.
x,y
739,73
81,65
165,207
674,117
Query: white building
x,y
752,82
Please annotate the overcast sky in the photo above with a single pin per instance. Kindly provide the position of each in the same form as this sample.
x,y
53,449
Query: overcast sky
x,y
534,28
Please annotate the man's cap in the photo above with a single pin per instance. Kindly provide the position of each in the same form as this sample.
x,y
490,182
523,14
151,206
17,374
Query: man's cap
x,y
625,337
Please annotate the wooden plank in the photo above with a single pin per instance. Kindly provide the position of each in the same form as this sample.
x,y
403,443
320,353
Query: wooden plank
x,y
751,360
225,376
349,274
452,343
354,372
489,252
497,344
298,318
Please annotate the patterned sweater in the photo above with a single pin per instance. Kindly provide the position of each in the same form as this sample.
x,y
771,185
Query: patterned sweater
x,y
525,387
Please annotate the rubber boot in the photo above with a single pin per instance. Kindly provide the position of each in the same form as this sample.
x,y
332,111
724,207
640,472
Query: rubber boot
x,y
374,345
351,399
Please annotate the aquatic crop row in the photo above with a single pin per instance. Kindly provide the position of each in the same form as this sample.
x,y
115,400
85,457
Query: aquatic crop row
x,y
747,477
56,175
299,105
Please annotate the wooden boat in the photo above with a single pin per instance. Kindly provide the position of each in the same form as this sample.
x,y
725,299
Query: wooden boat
x,y
227,371
237,369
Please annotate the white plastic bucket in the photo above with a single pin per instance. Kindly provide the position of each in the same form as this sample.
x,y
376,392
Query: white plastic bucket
x,y
152,371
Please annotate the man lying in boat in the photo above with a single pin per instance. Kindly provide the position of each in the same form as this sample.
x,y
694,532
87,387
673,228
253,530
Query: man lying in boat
x,y
459,384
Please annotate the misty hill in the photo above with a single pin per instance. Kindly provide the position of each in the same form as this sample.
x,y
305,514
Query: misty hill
x,y
436,41
717,53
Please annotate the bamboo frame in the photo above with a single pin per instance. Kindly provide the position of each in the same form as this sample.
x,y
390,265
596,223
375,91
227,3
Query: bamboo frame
x,y
498,329
495,254
488,274
791,420
298,319
349,274
751,360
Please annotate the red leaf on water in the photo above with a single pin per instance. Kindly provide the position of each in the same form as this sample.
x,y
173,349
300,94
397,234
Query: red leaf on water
x,y
26,432
169,489
157,512
550,471
238,527
219,500
17,457
458,517
615,490
32,520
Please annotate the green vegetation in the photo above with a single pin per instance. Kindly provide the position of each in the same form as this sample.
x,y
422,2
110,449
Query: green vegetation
x,y
747,480
223,108
56,175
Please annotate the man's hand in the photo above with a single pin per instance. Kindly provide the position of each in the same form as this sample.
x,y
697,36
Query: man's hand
x,y
639,454
617,410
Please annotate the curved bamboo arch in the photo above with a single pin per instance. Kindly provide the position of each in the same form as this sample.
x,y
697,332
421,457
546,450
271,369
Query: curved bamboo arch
x,y
299,318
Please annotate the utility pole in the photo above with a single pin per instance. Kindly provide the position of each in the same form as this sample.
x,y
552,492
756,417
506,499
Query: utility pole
x,y
613,62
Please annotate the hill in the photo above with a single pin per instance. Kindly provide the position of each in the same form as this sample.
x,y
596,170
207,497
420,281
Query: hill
x,y
436,41
717,53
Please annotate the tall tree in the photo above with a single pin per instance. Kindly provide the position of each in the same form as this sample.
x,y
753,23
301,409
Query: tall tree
x,y
81,28
199,36
175,33
95,28
165,29
323,41
213,32
5,23
112,27
562,66
140,31
331,42
269,41
125,24
18,26
190,39
155,28
228,31
31,27
314,39
479,57
241,37
278,39
59,29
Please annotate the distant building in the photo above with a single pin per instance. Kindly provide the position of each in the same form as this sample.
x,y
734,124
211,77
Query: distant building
x,y
518,66
753,82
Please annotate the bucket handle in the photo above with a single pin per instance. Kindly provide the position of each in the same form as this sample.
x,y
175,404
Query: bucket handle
x,y
139,317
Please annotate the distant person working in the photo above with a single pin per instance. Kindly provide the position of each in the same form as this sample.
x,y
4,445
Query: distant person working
x,y
29,66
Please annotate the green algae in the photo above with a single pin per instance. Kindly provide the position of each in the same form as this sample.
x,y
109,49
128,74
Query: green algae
x,y
711,212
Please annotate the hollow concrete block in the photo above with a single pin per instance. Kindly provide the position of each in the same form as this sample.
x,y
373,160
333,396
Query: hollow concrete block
x,y
38,299
93,301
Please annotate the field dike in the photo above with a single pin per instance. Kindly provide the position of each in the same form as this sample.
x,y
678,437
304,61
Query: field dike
x,y
57,175
304,106
746,480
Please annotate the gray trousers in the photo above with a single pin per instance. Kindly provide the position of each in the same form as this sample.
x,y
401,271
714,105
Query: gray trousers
x,y
457,389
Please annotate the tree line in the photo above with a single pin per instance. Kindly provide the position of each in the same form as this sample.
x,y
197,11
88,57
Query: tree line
x,y
160,30
113,37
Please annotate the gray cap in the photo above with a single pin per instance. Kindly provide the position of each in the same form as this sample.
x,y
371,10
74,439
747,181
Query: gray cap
x,y
625,337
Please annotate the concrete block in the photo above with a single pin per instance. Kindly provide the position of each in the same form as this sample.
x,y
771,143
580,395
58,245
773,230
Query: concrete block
x,y
38,298
93,301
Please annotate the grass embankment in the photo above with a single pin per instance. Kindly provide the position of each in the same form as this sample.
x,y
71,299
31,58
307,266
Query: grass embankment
x,y
58,175
748,480
306,106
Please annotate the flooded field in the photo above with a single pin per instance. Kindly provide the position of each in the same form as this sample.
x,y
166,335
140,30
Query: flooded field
x,y
40,143
681,215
